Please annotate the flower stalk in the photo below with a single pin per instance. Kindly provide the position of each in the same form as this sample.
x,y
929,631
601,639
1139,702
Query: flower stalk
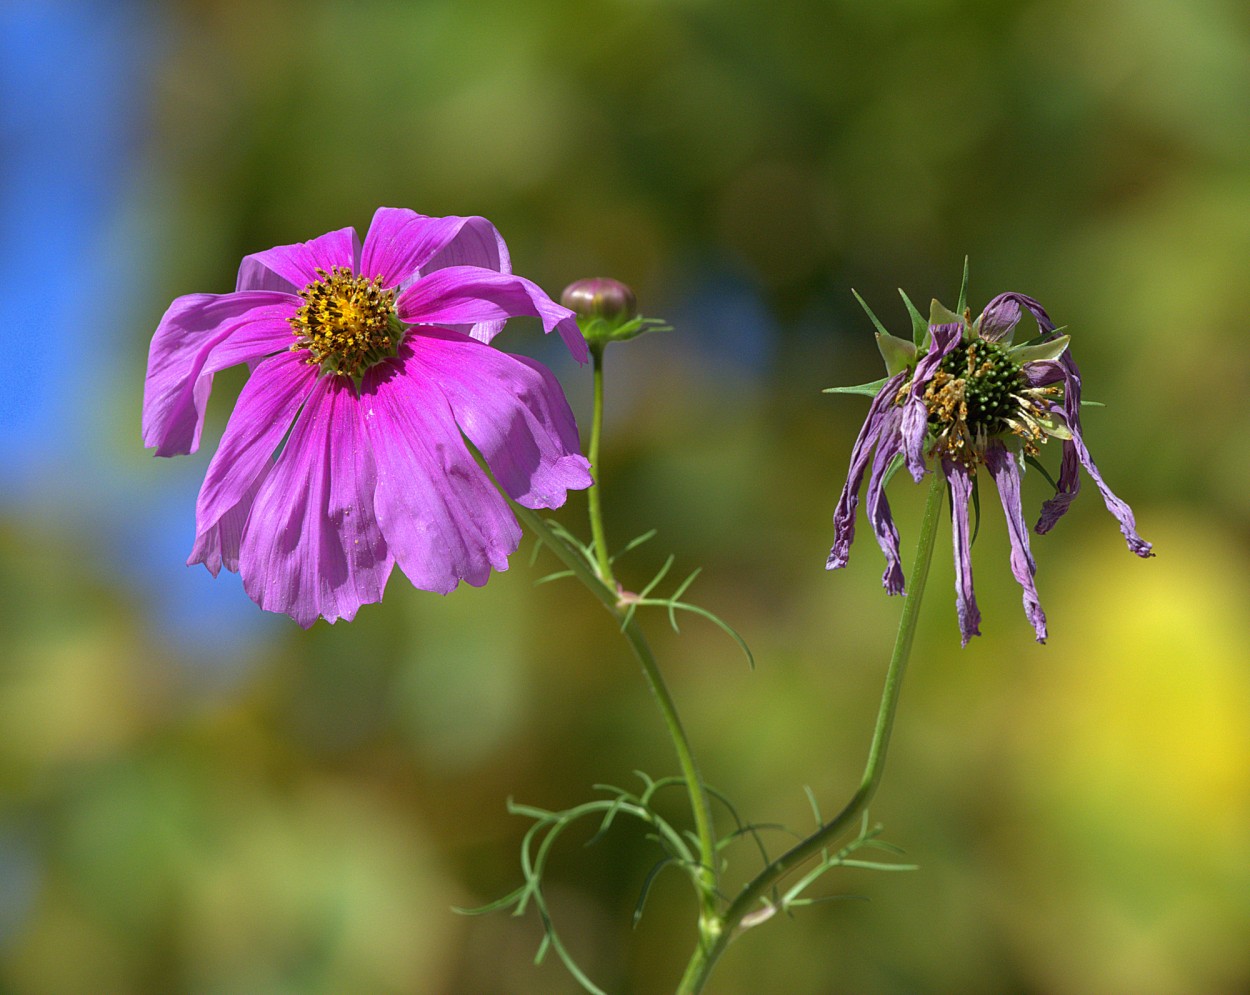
x,y
748,902
606,311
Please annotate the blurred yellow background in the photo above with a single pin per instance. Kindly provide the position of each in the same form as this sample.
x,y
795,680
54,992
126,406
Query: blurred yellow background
x,y
195,797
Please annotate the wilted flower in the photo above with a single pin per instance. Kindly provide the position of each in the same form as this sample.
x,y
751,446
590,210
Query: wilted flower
x,y
961,394
344,455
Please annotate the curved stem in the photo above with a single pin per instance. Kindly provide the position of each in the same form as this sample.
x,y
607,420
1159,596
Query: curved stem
x,y
699,803
705,956
592,495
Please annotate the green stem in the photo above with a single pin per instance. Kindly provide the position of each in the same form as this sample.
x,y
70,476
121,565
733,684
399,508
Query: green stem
x,y
700,804
592,495
749,899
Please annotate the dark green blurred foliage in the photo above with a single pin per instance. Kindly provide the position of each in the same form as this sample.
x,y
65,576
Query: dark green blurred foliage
x,y
1080,812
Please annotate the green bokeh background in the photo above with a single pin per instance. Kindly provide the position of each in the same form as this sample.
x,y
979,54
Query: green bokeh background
x,y
1080,812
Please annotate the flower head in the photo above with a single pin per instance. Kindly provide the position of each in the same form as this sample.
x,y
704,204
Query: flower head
x,y
961,396
345,453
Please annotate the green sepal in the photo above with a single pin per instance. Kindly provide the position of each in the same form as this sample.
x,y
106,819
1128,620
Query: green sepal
x,y
963,289
1056,426
939,315
876,322
867,389
919,327
1040,352
1092,404
899,354
599,331
1038,339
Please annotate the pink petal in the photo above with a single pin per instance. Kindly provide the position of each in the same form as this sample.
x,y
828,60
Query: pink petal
x,y
512,409
262,415
401,244
467,295
292,267
477,244
218,545
442,517
312,546
199,335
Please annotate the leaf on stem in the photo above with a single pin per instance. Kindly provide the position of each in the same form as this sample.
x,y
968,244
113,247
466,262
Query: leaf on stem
x,y
540,838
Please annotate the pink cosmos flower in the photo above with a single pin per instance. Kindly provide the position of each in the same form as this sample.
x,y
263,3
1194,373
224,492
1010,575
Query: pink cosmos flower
x,y
344,454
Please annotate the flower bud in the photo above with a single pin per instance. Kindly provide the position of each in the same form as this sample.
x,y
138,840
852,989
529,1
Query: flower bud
x,y
607,311
600,297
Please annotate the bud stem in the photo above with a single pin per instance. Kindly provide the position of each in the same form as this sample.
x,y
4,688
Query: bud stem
x,y
592,495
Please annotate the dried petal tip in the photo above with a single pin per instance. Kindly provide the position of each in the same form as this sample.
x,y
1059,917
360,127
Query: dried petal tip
x,y
600,297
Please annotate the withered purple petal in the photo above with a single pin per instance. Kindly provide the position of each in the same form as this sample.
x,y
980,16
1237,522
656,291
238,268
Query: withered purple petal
x,y
1006,474
888,447
959,478
915,413
1002,314
1076,453
848,501
1042,373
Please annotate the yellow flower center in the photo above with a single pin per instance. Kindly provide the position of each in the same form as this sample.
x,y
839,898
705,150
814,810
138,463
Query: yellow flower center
x,y
347,323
